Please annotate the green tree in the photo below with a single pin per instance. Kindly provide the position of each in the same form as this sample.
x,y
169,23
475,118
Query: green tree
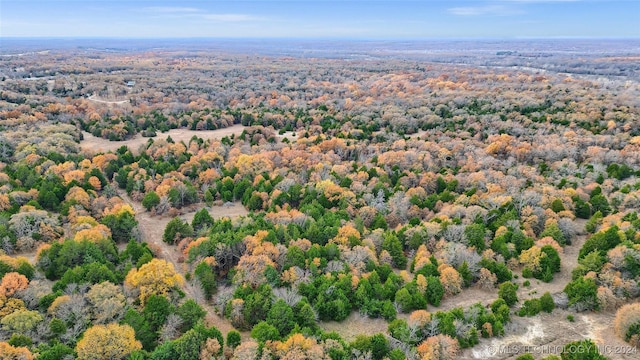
x,y
254,203
396,354
600,203
165,351
281,317
207,277
435,290
191,313
208,197
57,326
233,339
201,219
257,305
399,329
143,331
546,303
508,292
583,294
404,299
150,200
475,233
188,345
602,241
175,230
263,331
121,225
531,307
557,206
55,352
294,257
465,273
594,222
306,316
379,346
392,244
554,231
582,208
156,311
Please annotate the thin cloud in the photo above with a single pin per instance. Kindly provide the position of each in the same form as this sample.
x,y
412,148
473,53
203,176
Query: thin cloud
x,y
494,10
172,10
195,13
230,17
540,1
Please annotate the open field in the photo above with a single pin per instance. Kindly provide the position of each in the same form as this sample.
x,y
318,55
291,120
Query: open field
x,y
94,144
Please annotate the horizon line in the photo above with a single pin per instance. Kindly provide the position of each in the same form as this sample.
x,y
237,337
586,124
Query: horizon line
x,y
324,38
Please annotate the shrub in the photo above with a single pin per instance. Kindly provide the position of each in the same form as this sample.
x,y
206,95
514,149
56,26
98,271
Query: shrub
x,y
583,294
581,350
530,307
557,206
546,303
525,357
627,323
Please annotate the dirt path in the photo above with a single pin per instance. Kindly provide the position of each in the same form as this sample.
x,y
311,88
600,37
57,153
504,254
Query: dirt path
x,y
95,144
152,229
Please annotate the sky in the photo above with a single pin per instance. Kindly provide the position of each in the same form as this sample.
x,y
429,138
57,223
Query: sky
x,y
345,19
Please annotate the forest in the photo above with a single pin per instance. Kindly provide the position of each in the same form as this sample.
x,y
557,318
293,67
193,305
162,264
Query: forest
x,y
195,203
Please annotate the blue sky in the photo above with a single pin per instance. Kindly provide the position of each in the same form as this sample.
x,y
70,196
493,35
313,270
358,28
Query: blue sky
x,y
320,18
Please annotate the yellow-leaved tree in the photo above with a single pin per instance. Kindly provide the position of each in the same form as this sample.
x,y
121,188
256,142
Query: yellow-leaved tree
x,y
157,277
106,342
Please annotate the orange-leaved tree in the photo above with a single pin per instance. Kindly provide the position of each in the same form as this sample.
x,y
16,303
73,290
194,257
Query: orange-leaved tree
x,y
12,282
439,347
8,352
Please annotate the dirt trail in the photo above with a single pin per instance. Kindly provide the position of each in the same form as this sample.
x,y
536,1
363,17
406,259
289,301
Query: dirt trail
x,y
152,229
